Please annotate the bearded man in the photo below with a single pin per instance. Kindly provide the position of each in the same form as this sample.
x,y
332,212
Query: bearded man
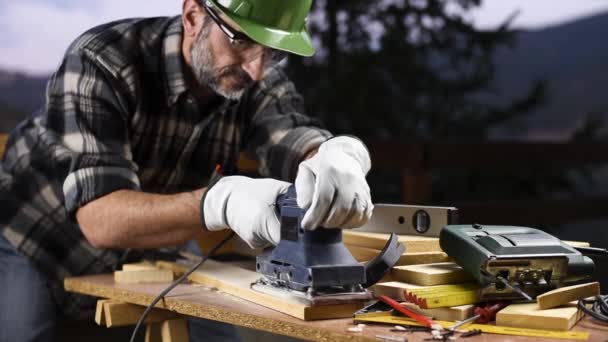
x,y
136,119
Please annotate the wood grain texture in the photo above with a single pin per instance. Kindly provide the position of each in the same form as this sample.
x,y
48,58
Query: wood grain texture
x,y
408,258
393,289
200,301
430,274
138,266
530,316
413,244
454,313
100,319
118,314
143,276
567,294
237,281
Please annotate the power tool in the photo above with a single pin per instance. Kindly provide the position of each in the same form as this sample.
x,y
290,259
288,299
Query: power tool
x,y
315,265
514,262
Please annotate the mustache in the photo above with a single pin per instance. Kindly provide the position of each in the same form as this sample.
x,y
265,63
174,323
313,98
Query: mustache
x,y
238,73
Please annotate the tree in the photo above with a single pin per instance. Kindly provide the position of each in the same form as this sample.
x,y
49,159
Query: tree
x,y
404,69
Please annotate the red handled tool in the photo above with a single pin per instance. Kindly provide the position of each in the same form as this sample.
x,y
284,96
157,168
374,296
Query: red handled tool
x,y
483,314
427,322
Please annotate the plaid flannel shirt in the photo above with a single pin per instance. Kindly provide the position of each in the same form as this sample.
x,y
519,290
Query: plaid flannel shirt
x,y
119,114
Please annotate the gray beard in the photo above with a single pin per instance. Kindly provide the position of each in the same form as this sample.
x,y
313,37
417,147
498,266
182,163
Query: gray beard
x,y
203,63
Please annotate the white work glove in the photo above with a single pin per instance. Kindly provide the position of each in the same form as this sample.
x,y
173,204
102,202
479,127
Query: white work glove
x,y
245,205
332,187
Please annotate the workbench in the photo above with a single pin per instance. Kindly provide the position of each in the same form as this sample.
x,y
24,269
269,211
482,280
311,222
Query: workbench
x,y
199,301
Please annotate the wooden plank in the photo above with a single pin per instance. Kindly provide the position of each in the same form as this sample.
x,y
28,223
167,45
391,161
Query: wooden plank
x,y
237,282
528,315
408,258
153,333
143,276
567,294
431,274
138,266
201,301
393,289
454,313
413,244
100,318
118,314
175,330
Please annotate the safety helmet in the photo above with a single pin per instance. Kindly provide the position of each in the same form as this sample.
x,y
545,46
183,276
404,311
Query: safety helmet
x,y
278,24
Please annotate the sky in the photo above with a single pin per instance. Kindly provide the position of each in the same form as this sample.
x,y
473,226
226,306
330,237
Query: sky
x,y
35,33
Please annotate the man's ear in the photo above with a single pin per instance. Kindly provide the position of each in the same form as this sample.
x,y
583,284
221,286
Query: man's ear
x,y
192,17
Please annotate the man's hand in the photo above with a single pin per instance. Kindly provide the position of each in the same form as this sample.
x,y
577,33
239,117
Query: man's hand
x,y
331,185
245,205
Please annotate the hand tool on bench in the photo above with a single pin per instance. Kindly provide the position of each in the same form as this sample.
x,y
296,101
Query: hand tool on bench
x,y
410,219
315,266
483,314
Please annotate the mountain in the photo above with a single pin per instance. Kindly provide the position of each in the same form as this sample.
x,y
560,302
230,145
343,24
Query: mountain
x,y
573,59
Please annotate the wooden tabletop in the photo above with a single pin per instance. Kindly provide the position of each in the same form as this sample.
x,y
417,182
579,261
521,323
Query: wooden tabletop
x,y
199,301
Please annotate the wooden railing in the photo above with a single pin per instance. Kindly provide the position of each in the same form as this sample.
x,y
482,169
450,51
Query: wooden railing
x,y
415,161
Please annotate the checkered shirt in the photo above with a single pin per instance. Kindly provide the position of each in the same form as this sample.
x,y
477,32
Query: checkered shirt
x,y
119,114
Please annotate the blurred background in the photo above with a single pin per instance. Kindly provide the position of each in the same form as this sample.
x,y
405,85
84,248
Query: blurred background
x,y
497,107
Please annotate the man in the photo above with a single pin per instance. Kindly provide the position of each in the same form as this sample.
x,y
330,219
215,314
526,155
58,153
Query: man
x,y
136,118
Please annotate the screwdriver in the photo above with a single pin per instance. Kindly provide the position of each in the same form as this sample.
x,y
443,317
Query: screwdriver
x,y
483,314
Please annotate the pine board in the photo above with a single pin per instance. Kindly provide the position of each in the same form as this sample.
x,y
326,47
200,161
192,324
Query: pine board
x,y
430,274
413,244
530,316
143,276
201,301
363,254
567,294
237,282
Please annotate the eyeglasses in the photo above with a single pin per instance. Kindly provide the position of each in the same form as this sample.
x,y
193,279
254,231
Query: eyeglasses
x,y
241,44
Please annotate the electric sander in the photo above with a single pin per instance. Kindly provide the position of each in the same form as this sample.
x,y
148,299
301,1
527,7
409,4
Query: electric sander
x,y
315,266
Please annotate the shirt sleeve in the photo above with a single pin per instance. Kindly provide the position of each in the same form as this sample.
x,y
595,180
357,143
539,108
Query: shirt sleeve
x,y
280,134
87,113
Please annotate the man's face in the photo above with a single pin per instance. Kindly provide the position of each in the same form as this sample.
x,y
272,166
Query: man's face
x,y
215,64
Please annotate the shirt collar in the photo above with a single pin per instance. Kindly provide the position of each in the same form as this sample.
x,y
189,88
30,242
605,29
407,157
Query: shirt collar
x,y
175,67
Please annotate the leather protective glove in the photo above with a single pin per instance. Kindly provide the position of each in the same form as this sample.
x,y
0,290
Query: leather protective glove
x,y
245,205
332,187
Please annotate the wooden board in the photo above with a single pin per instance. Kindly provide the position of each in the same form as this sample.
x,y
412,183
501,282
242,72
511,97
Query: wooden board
x,y
138,266
143,276
118,314
430,274
413,244
175,330
454,313
201,301
530,316
237,282
567,294
362,254
393,289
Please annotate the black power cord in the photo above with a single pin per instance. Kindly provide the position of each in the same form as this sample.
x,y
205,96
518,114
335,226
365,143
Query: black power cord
x,y
175,283
599,307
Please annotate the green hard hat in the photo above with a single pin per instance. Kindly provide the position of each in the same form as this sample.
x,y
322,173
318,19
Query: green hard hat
x,y
278,24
